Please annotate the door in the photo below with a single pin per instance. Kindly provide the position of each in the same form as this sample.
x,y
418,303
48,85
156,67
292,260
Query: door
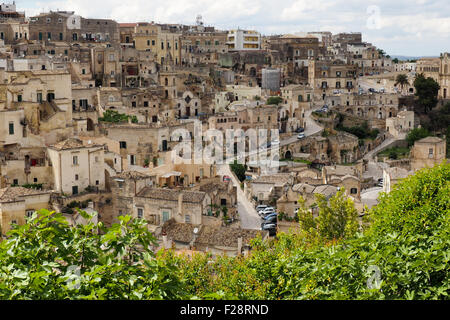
x,y
166,216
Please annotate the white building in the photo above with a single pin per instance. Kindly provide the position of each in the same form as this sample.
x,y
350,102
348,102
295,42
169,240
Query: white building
x,y
243,40
77,166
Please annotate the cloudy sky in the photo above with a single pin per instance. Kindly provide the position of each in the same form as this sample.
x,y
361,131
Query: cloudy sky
x,y
400,27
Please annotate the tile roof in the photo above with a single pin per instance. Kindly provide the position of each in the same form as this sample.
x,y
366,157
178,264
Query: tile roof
x,y
274,178
71,143
209,235
134,175
10,194
430,140
171,195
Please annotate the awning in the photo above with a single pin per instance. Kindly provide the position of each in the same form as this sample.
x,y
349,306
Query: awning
x,y
171,174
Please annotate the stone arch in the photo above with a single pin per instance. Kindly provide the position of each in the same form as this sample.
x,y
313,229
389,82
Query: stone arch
x,y
288,154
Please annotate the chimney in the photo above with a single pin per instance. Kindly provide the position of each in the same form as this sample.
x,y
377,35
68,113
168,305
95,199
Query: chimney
x,y
180,203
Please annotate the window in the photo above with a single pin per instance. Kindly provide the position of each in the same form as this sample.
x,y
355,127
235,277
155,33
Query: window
x,y
140,213
430,153
153,42
132,159
75,160
11,128
111,57
166,216
353,190
19,98
97,182
49,35
123,144
187,218
49,20
35,180
76,177
29,213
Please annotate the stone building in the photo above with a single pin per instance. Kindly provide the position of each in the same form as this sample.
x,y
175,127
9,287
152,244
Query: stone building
x,y
18,203
77,166
427,152
69,27
160,205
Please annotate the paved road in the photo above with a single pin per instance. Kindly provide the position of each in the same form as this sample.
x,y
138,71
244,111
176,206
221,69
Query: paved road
x,y
247,214
311,127
369,197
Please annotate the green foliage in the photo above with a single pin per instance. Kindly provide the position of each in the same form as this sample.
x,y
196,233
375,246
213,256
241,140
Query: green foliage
x,y
239,170
38,260
427,90
395,153
337,218
274,100
116,117
402,80
416,134
362,132
36,186
408,242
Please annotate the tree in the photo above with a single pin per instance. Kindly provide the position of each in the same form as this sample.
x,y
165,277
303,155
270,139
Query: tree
x,y
239,170
48,259
402,80
416,134
427,90
336,220
274,100
395,60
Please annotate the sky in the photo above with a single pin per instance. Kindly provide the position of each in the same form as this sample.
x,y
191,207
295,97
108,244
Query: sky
x,y
400,27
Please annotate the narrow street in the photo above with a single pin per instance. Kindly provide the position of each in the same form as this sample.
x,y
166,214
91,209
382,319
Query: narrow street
x,y
248,216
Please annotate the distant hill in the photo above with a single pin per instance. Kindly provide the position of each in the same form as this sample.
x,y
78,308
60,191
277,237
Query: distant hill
x,y
404,58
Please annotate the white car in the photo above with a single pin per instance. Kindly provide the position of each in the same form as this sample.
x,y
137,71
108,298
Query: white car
x,y
266,211
261,207
301,135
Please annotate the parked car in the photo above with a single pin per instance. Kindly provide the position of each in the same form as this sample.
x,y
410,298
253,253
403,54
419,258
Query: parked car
x,y
299,130
270,222
260,207
226,178
266,211
271,219
301,135
271,227
270,215
372,90
276,141
380,182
